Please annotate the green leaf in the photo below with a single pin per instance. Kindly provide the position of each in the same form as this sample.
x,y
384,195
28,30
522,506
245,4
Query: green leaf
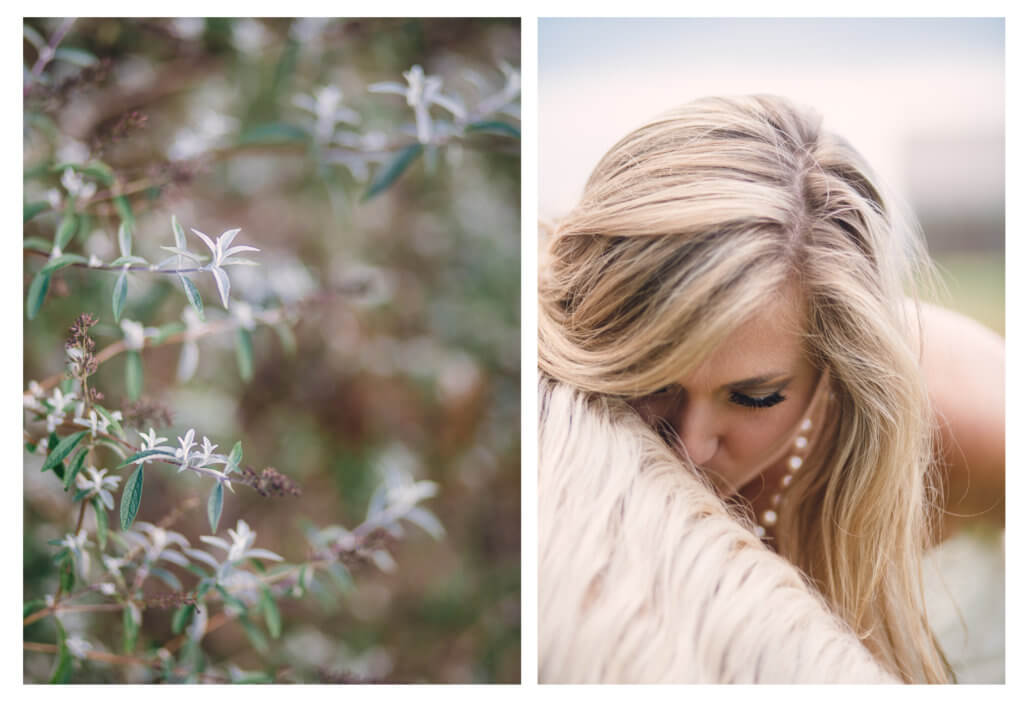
x,y
166,452
62,670
98,170
124,240
243,353
258,640
34,243
80,494
131,629
102,523
494,127
124,210
36,294
131,498
120,294
33,37
234,459
271,614
179,234
62,450
284,332
166,577
30,607
215,505
78,57
230,598
66,230
341,576
386,177
273,133
194,298
67,575
204,586
114,424
63,262
181,618
129,260
133,374
75,466
33,209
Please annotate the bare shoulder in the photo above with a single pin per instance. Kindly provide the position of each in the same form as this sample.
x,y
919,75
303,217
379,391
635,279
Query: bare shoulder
x,y
964,365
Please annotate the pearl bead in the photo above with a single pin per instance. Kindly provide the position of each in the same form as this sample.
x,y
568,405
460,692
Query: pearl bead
x,y
786,480
805,425
769,518
801,442
795,462
759,531
776,499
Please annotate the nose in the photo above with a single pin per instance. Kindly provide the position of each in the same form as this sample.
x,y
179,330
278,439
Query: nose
x,y
696,428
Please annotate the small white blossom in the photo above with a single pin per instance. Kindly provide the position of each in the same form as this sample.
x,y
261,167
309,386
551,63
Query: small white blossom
x,y
150,441
93,423
78,646
242,538
135,334
422,92
60,403
54,197
248,35
184,453
98,485
325,105
94,261
108,588
77,544
243,312
76,185
157,542
221,255
508,93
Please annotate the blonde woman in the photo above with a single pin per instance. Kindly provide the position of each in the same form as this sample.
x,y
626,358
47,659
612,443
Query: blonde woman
x,y
745,425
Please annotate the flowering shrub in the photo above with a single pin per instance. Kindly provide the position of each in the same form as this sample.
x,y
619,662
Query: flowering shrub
x,y
120,267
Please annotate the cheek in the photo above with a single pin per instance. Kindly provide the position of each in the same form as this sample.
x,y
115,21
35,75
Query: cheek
x,y
756,435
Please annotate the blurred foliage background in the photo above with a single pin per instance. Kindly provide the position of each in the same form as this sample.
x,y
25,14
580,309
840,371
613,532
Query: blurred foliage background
x,y
406,351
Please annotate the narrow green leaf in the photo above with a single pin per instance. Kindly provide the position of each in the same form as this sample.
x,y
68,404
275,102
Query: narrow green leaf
x,y
114,423
36,294
66,230
67,575
102,522
129,260
120,294
78,57
131,629
494,127
62,669
181,618
131,498
34,243
179,234
273,133
202,588
165,452
100,171
30,607
166,576
133,374
33,209
62,450
256,637
271,614
33,37
215,505
124,239
194,298
230,598
74,467
124,210
80,494
386,177
63,262
234,459
284,332
243,353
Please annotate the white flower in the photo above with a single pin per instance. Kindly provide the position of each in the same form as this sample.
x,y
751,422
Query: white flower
x,y
150,440
60,403
94,261
507,94
243,312
53,196
325,105
188,361
242,538
77,544
221,255
108,589
422,91
75,185
157,543
98,484
92,423
248,36
135,334
78,646
185,451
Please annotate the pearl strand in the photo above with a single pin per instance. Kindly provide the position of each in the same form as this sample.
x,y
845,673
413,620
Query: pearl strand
x,y
770,516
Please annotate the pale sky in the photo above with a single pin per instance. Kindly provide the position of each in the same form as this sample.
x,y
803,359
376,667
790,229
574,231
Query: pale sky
x,y
884,84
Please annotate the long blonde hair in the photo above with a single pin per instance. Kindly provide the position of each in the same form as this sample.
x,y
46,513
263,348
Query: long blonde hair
x,y
685,228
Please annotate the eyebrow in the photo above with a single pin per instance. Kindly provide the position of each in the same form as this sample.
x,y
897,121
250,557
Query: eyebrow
x,y
781,379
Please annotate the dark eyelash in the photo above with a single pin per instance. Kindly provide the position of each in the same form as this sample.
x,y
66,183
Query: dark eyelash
x,y
756,402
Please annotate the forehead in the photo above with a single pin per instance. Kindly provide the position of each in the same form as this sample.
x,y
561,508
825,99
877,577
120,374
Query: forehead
x,y
770,341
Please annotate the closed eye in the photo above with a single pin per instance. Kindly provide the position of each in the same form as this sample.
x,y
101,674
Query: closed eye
x,y
746,400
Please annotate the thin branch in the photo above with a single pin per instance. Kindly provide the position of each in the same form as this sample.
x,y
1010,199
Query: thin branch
x,y
47,53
